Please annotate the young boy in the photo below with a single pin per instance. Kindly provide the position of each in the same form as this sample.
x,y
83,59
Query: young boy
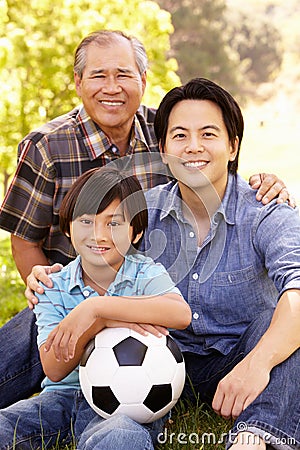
x,y
108,285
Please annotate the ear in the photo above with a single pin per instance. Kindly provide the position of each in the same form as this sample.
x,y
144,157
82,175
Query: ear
x,y
234,149
137,238
162,154
77,80
144,81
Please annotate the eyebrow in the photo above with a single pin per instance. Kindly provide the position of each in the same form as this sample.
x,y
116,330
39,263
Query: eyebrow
x,y
179,127
118,69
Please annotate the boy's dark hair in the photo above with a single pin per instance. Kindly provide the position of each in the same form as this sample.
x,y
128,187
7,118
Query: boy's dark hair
x,y
202,89
94,191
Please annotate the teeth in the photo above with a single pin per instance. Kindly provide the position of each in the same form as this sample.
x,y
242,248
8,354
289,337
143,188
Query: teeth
x,y
111,103
195,164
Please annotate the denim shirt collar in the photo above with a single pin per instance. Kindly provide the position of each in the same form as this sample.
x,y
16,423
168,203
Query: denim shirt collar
x,y
226,210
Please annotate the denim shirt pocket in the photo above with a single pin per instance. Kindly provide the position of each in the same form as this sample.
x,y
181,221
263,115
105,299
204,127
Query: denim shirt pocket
x,y
237,296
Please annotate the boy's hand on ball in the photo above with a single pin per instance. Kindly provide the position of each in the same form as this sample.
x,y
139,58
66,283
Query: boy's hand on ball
x,y
141,328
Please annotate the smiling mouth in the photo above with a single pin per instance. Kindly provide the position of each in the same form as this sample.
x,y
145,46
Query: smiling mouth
x,y
97,249
111,103
195,164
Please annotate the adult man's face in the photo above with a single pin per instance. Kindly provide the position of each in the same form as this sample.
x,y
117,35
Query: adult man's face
x,y
111,87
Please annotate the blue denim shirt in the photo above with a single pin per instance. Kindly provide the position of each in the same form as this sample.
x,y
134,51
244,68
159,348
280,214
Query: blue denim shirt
x,y
250,256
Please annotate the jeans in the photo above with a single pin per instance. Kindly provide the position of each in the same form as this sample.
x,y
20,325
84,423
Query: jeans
x,y
64,417
21,372
275,413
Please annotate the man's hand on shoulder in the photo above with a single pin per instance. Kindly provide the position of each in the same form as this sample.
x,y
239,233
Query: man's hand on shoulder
x,y
39,273
269,186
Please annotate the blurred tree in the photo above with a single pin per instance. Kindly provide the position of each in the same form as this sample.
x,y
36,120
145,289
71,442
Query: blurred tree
x,y
37,43
259,45
200,41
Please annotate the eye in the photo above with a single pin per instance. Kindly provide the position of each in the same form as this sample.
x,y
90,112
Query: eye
x,y
113,223
179,136
86,221
97,76
209,134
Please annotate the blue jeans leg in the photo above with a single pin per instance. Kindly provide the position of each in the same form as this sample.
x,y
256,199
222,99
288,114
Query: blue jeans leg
x,y
21,372
39,422
275,414
119,432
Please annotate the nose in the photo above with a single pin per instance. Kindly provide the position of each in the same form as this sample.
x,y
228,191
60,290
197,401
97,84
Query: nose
x,y
194,145
111,85
100,231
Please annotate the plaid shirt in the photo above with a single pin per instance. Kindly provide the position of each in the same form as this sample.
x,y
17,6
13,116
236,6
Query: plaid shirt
x,y
52,157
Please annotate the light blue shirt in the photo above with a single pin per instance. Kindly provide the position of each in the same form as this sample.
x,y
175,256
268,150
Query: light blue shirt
x,y
250,256
138,275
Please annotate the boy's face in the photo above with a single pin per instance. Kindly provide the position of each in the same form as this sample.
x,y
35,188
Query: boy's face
x,y
197,147
102,239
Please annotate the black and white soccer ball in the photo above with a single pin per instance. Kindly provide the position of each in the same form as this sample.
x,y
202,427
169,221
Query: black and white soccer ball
x,y
123,372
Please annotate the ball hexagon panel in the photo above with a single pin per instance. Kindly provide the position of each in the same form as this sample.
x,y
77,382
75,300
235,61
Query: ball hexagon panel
x,y
105,366
160,365
130,384
109,337
138,412
178,381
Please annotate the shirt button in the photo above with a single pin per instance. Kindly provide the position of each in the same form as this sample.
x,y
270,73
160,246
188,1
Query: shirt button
x,y
196,316
114,149
86,293
195,276
191,234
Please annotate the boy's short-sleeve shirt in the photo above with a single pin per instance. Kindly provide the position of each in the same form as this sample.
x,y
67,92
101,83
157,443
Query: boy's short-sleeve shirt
x,y
138,275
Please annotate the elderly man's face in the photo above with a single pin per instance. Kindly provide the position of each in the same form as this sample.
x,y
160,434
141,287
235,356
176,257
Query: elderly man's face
x,y
111,87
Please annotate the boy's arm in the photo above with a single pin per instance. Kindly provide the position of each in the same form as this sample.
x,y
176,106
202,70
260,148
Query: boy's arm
x,y
65,344
58,368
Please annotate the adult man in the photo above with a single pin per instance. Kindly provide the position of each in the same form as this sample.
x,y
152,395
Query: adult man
x,y
110,78
237,264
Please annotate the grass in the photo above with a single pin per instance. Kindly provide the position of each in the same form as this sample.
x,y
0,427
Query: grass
x,y
190,424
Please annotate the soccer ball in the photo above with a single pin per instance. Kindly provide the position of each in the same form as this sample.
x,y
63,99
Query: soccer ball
x,y
123,372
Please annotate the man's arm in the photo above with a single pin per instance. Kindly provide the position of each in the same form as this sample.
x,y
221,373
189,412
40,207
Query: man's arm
x,y
251,376
26,255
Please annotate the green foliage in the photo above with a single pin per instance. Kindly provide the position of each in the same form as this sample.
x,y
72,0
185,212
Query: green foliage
x,y
258,43
37,43
12,288
199,42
